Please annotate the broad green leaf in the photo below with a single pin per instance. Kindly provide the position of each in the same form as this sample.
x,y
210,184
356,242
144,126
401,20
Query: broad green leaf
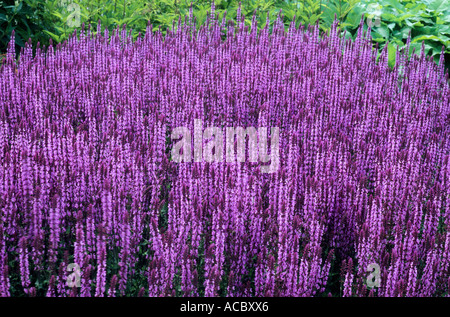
x,y
425,37
395,4
409,23
418,48
392,51
405,32
54,36
382,30
437,5
426,30
443,29
389,17
427,20
391,26
445,16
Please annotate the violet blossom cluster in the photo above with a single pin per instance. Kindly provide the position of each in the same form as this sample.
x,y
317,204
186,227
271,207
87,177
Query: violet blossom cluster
x,y
86,173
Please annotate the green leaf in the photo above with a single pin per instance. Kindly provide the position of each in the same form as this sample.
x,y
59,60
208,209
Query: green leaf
x,y
19,41
54,36
389,17
408,15
395,4
19,7
418,48
437,5
425,37
445,16
443,29
413,23
57,14
382,31
403,33
392,52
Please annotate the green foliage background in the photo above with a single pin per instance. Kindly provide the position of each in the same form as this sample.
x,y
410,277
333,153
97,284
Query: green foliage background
x,y
392,20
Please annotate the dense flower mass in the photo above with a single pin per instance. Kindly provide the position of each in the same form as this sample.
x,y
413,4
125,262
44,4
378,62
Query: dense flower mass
x,y
359,206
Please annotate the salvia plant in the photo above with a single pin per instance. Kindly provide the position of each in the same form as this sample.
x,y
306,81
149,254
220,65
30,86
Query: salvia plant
x,y
359,205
